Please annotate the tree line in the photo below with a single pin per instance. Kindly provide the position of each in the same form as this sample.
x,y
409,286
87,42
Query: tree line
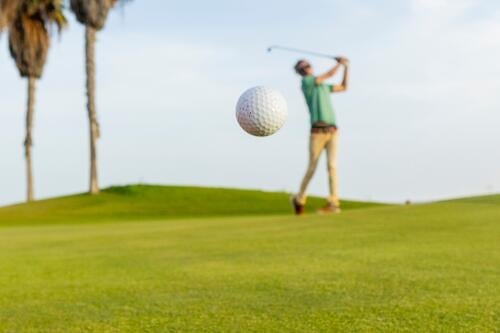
x,y
28,24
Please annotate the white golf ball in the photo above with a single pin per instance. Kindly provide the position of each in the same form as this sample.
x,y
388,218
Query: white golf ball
x,y
261,111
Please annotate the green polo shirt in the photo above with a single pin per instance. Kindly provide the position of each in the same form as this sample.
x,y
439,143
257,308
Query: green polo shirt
x,y
318,101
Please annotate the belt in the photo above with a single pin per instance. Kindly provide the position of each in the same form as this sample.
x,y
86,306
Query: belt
x,y
323,130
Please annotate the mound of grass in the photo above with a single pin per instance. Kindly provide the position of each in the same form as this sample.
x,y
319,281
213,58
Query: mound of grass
x,y
141,202
479,200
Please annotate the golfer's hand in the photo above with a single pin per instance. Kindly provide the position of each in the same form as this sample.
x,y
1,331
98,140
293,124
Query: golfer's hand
x,y
343,61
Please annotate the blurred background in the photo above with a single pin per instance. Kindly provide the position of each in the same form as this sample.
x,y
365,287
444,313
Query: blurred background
x,y
420,121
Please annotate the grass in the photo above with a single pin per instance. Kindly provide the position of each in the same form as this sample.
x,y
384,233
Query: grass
x,y
425,268
146,202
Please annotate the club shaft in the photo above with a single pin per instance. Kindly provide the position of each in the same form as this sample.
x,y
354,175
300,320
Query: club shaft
x,y
291,49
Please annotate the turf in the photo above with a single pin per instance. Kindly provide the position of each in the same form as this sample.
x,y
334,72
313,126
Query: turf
x,y
146,202
425,268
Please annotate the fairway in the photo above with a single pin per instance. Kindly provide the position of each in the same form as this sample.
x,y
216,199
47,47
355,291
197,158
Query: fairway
x,y
134,259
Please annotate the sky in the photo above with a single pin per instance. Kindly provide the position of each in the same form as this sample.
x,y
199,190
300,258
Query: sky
x,y
420,121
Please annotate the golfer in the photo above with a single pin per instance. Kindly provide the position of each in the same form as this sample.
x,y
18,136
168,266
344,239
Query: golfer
x,y
324,131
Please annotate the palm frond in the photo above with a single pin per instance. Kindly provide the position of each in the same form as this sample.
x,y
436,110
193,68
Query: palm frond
x,y
93,13
8,10
51,11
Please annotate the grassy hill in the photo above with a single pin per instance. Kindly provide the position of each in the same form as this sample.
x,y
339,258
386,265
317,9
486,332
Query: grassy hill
x,y
424,268
141,202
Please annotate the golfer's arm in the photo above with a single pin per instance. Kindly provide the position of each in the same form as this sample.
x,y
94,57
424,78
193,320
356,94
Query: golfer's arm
x,y
345,82
322,78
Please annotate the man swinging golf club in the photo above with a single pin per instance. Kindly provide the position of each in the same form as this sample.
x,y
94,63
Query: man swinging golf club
x,y
324,130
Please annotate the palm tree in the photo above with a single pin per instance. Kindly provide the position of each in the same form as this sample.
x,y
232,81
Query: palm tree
x,y
29,43
92,14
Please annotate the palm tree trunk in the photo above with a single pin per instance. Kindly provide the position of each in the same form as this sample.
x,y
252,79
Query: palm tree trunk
x,y
28,141
90,34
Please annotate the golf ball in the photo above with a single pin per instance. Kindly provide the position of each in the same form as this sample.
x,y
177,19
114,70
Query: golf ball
x,y
261,111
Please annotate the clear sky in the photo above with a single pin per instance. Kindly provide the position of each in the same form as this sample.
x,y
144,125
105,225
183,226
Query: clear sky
x,y
421,120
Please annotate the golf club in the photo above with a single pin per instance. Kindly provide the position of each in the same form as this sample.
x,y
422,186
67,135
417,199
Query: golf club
x,y
290,49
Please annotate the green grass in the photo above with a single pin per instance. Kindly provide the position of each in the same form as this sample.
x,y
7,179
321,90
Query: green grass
x,y
146,202
425,268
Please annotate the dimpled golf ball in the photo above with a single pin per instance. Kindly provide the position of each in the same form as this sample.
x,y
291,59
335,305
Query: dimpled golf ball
x,y
261,111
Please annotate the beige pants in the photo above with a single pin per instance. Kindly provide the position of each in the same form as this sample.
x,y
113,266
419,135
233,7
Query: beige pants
x,y
318,143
